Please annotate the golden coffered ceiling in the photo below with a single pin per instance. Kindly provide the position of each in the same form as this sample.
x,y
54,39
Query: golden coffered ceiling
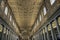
x,y
25,13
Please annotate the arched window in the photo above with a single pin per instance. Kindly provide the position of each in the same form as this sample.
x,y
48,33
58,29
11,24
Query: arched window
x,y
6,10
10,18
2,4
13,23
54,24
44,10
59,20
52,1
4,30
